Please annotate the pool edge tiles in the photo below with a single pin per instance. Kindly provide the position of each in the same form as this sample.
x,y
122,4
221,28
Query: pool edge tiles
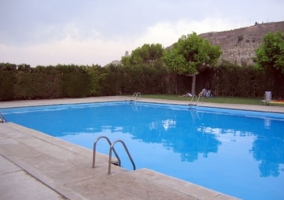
x,y
41,164
61,106
25,103
194,190
182,106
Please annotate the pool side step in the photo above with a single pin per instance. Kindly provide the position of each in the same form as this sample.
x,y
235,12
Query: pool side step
x,y
116,163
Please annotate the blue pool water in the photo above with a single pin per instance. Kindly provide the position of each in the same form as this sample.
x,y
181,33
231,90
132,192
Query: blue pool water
x,y
239,153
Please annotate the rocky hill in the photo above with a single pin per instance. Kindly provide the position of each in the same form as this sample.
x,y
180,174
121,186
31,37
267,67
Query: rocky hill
x,y
239,45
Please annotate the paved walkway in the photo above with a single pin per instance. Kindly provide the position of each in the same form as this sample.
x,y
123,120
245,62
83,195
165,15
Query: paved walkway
x,y
34,165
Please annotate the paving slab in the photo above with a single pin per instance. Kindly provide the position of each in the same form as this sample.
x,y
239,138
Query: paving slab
x,y
17,184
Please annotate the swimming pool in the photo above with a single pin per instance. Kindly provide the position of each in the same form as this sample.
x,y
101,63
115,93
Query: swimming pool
x,y
239,153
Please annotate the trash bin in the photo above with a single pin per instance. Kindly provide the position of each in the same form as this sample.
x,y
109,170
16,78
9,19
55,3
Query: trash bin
x,y
267,96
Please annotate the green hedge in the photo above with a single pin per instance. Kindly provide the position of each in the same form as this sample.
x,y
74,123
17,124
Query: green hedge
x,y
245,81
72,81
7,81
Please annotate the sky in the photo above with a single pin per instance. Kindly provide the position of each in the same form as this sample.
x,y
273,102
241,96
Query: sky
x,y
87,32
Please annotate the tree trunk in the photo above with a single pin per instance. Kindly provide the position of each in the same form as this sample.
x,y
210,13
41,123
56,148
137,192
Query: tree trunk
x,y
193,84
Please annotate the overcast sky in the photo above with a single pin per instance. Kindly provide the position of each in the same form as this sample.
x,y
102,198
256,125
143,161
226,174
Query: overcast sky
x,y
86,32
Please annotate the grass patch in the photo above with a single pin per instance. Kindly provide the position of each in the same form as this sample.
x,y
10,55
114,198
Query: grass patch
x,y
228,100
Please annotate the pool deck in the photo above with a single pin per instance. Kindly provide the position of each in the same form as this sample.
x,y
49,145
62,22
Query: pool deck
x,y
34,165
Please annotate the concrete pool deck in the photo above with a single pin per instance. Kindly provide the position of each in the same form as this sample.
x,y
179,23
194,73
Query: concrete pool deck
x,y
34,165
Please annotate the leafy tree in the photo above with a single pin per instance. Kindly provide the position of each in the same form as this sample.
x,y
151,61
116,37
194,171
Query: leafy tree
x,y
24,67
270,54
147,54
190,54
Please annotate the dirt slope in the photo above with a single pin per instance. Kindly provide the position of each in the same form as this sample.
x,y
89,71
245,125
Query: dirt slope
x,y
239,45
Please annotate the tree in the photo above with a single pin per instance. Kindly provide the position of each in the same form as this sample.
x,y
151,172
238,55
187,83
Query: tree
x,y
190,54
270,54
147,54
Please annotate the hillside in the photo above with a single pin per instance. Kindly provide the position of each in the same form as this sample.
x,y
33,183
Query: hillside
x,y
239,45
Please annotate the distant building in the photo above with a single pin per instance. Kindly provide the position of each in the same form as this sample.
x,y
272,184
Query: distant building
x,y
118,62
115,62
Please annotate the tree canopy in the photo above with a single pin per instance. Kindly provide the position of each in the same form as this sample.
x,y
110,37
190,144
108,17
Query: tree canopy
x,y
147,54
270,54
190,54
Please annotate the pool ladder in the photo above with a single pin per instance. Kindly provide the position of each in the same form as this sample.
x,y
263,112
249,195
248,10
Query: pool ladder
x,y
136,96
197,99
111,149
2,118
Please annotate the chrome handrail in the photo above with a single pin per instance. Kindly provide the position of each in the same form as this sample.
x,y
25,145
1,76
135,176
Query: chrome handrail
x,y
197,99
112,149
2,118
135,95
94,150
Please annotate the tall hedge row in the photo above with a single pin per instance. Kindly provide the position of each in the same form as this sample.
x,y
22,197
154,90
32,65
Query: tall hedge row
x,y
66,81
7,81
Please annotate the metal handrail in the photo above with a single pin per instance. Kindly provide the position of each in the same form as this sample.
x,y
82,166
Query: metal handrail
x,y
112,149
197,99
2,118
94,150
135,95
